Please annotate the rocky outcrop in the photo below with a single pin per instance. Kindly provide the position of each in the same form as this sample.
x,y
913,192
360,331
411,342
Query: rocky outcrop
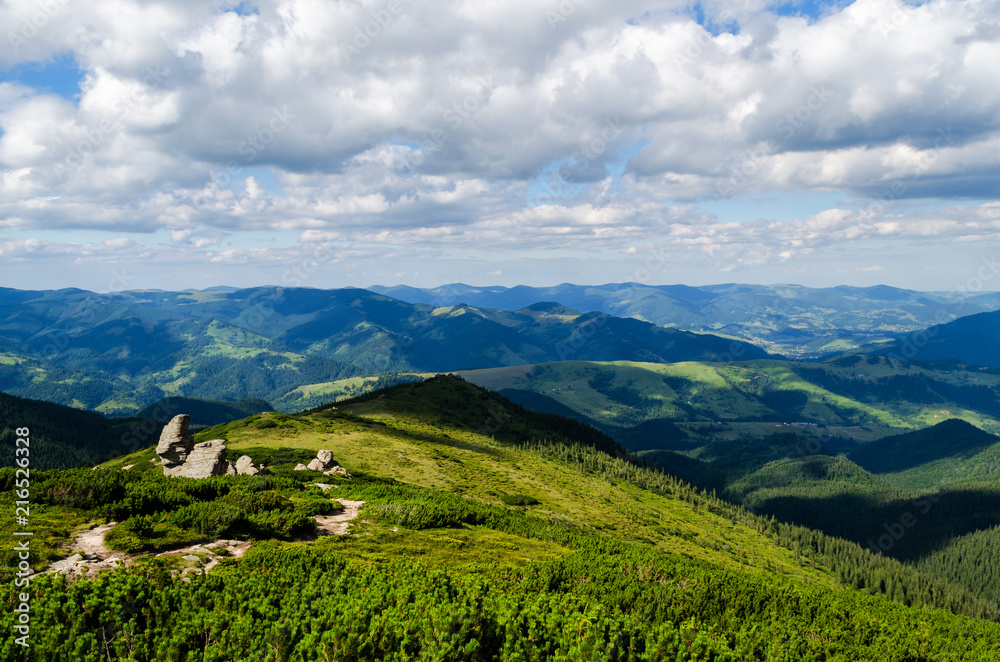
x,y
324,462
175,442
206,459
182,457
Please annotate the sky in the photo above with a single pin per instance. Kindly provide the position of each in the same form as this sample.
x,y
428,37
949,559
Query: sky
x,y
190,144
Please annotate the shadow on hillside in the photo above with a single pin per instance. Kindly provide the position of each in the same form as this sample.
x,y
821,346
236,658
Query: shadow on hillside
x,y
952,438
906,529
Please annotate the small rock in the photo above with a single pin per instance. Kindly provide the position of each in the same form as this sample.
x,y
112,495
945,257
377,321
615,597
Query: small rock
x,y
127,467
244,466
337,471
66,564
191,557
300,467
326,459
315,465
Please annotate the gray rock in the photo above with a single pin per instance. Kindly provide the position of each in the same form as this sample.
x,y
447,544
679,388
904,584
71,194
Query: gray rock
x,y
315,465
244,465
192,557
175,443
300,467
326,459
205,460
180,456
337,471
66,564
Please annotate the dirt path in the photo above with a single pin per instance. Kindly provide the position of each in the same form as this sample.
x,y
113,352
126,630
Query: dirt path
x,y
207,556
92,542
336,525
89,555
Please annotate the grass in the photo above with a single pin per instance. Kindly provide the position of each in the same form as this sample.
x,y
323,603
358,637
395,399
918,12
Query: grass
x,y
371,438
374,544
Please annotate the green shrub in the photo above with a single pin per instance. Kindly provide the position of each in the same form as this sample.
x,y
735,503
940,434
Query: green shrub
x,y
519,500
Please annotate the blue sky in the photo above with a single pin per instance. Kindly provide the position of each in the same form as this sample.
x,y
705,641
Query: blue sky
x,y
178,146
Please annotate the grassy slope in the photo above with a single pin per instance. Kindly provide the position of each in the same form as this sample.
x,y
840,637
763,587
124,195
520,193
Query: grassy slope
x,y
420,451
728,391
441,447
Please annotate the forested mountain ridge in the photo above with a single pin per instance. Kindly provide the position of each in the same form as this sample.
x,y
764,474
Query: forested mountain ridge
x,y
974,339
786,319
598,556
65,437
119,352
847,391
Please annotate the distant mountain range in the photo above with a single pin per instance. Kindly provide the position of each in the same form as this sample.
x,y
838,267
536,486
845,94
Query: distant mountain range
x,y
974,339
117,353
788,319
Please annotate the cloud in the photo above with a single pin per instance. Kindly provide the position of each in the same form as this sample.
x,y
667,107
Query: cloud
x,y
435,127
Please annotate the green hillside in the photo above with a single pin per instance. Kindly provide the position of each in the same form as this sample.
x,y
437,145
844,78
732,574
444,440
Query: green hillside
x,y
599,558
121,352
205,412
973,339
849,391
852,446
791,320
64,437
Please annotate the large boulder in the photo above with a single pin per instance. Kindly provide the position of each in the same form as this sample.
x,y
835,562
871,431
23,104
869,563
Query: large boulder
x,y
180,456
175,443
206,459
